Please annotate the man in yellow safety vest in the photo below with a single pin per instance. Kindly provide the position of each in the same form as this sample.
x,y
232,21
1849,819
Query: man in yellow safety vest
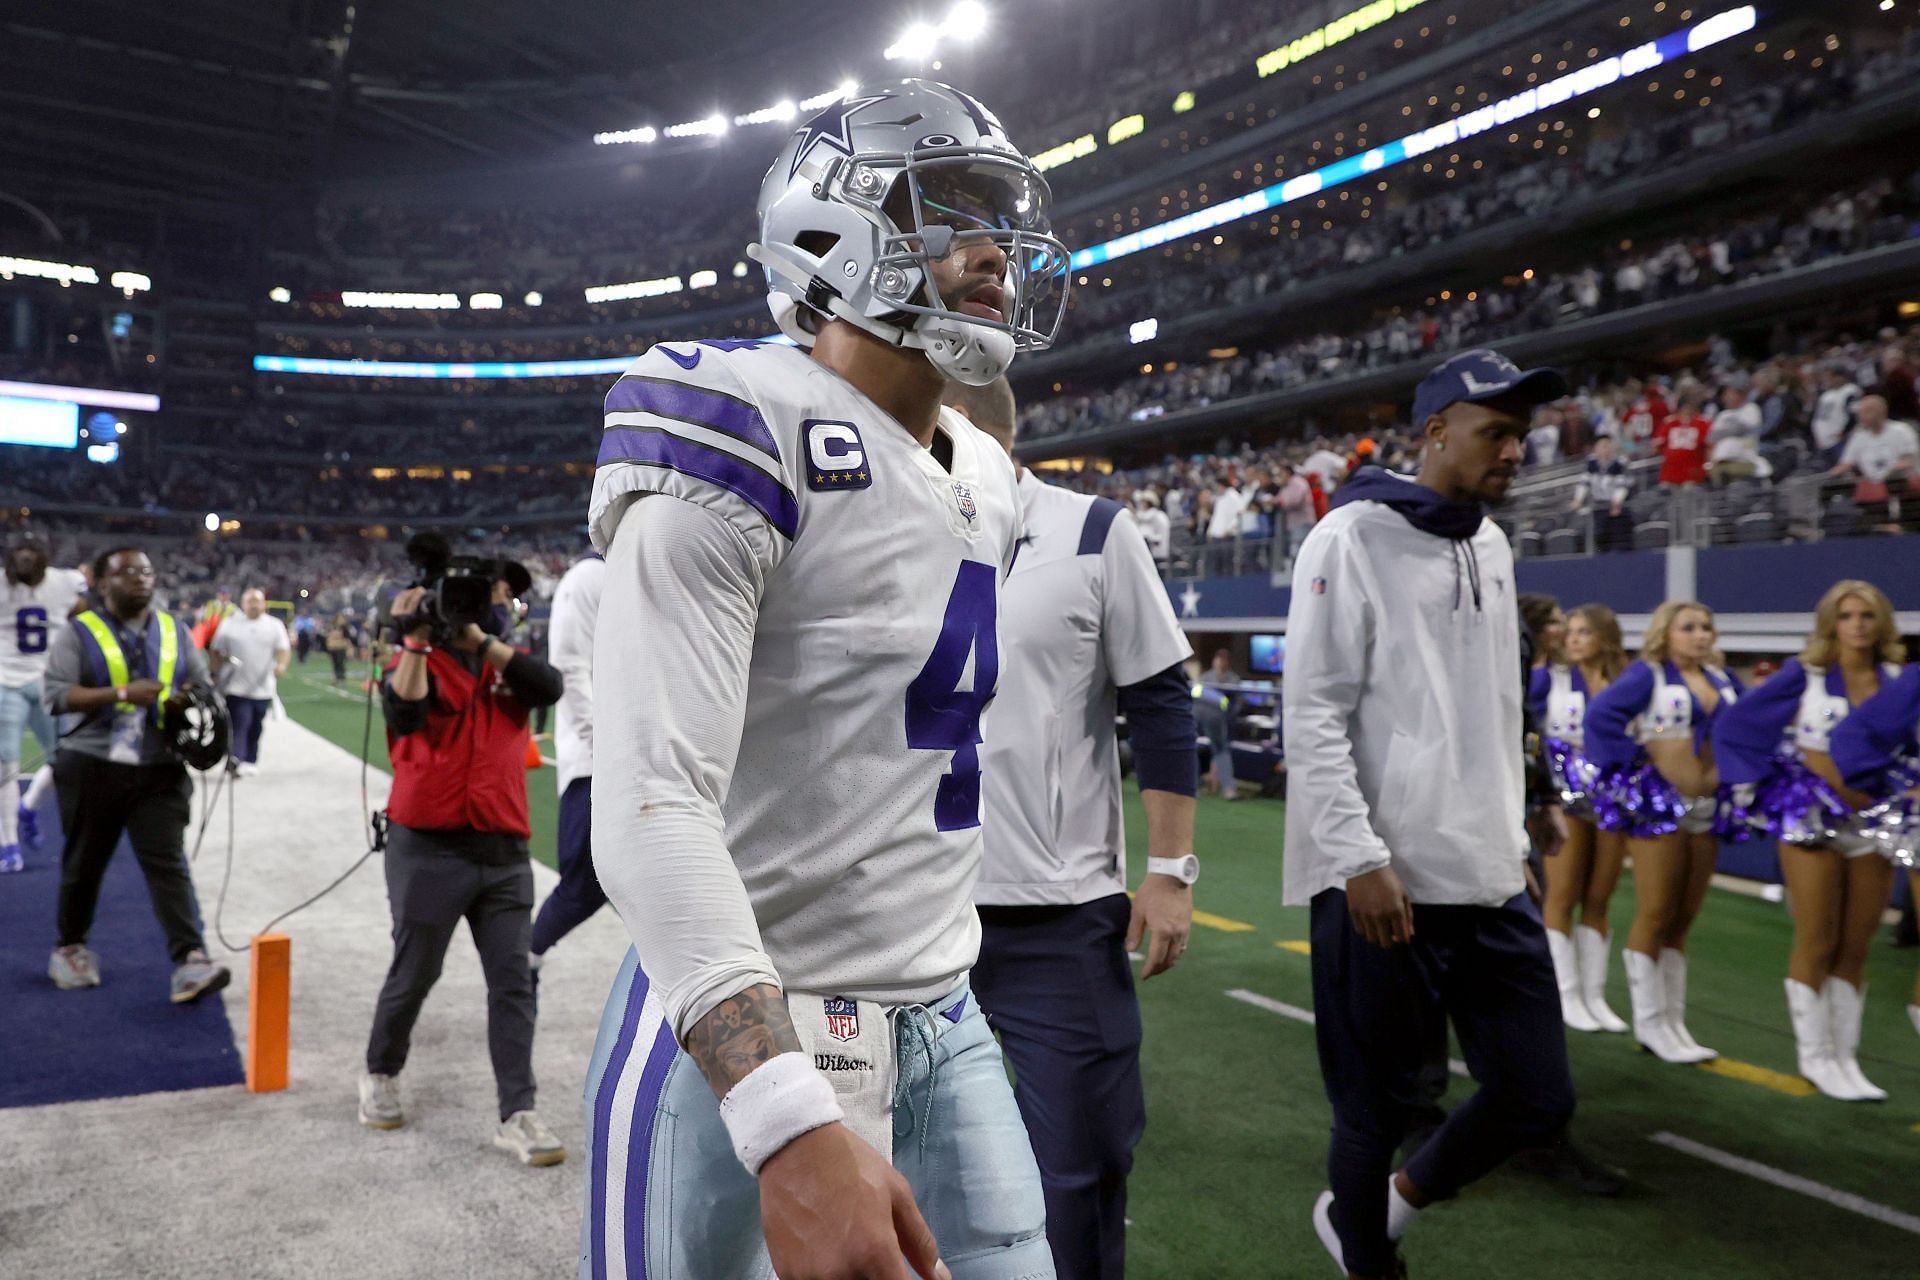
x,y
116,667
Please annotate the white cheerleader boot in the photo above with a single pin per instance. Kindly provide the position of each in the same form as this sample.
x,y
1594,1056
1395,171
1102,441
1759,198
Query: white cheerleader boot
x,y
1566,972
1673,974
1913,1016
1649,998
1592,948
1813,1039
1845,1005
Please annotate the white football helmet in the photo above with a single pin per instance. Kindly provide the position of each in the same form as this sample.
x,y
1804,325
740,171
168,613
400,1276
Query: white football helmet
x,y
868,194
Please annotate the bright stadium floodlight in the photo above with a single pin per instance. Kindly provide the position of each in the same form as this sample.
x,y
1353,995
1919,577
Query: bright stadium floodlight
x,y
916,43
1143,330
533,298
485,301
645,133
279,293
703,280
131,282
966,21
739,271
119,428
212,522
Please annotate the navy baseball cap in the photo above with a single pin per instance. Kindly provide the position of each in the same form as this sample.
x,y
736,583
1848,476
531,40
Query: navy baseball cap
x,y
1483,374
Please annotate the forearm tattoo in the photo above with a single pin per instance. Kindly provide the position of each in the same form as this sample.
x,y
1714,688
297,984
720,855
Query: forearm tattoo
x,y
740,1033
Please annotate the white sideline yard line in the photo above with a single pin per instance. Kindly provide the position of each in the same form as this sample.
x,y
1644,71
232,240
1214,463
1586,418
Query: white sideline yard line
x,y
1298,1014
1791,1181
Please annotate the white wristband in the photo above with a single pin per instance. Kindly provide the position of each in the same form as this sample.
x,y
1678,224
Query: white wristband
x,y
778,1101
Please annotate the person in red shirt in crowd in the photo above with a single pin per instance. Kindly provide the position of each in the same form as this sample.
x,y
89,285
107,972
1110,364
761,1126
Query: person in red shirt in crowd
x,y
1646,411
1682,440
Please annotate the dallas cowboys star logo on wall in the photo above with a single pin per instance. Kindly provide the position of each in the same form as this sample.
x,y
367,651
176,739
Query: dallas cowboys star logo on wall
x,y
833,128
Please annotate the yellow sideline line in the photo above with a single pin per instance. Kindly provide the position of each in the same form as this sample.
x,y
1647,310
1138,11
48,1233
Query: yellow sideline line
x,y
1296,945
1765,1077
1221,923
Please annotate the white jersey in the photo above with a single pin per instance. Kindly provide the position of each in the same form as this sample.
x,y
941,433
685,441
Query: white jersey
x,y
1084,612
791,678
576,605
28,618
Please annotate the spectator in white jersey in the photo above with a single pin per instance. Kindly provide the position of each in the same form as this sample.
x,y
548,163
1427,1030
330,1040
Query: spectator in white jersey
x,y
1832,411
249,653
1885,457
1086,631
576,607
1155,527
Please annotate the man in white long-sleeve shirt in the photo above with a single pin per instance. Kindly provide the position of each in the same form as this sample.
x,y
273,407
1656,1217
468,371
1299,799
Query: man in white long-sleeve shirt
x,y
797,639
1405,813
576,607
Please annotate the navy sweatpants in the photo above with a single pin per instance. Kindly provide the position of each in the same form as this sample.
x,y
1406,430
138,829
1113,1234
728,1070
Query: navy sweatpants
x,y
1056,984
578,895
1377,1012
248,716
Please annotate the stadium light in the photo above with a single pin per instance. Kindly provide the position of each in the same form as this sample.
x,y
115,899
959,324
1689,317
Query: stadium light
x,y
212,522
645,133
703,280
485,301
1143,330
966,21
533,298
916,43
130,282
711,127
65,273
119,428
400,301
634,289
739,271
279,293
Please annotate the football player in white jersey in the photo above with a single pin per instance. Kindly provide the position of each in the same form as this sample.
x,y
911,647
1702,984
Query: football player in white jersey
x,y
34,599
797,639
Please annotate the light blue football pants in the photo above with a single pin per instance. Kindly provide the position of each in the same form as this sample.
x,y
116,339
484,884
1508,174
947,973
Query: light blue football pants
x,y
667,1199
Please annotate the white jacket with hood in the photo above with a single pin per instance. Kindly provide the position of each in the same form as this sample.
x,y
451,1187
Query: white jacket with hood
x,y
1402,707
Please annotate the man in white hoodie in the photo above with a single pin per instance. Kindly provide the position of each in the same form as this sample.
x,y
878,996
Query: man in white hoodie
x,y
1405,821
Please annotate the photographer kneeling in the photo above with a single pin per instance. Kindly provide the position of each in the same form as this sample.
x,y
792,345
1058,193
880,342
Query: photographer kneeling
x,y
456,700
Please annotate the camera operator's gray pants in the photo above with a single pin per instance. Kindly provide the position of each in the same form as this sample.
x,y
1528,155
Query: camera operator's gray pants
x,y
430,889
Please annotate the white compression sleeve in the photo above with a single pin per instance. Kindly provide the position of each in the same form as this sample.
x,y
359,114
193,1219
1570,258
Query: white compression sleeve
x,y
38,788
671,652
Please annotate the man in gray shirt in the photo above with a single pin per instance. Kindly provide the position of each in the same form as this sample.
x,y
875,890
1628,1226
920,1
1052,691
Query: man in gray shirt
x,y
115,667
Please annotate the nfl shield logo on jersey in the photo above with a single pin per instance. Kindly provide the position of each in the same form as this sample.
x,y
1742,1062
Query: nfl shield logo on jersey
x,y
843,1018
963,495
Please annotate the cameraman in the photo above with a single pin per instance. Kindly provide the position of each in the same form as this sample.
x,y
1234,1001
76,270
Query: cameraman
x,y
115,667
456,700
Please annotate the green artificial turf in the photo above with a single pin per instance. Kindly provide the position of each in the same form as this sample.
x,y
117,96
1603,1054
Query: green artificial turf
x,y
1235,1147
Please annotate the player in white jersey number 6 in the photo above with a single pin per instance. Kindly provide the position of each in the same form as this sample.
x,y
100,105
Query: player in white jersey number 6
x,y
35,601
797,638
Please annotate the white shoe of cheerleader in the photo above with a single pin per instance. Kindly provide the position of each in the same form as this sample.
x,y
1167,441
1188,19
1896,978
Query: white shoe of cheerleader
x,y
1845,1005
1673,974
1649,997
1813,1041
1566,972
1592,946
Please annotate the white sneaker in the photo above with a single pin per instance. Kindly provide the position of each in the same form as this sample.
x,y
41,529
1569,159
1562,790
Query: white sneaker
x,y
1323,1227
525,1135
248,769
380,1101
73,967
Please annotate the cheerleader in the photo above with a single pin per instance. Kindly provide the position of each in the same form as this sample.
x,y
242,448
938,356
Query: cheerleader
x,y
1837,885
1648,734
1583,874
1877,750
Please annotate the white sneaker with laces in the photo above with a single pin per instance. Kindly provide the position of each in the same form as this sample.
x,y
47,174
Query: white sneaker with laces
x,y
380,1101
525,1135
73,967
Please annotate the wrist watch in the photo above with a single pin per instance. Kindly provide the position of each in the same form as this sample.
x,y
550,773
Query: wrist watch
x,y
1186,870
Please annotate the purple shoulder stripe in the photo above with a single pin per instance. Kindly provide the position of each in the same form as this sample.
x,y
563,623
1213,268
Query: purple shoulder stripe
x,y
715,410
657,447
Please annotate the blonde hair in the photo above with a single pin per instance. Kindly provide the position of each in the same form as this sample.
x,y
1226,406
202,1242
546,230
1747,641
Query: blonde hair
x,y
1605,626
1653,645
1823,643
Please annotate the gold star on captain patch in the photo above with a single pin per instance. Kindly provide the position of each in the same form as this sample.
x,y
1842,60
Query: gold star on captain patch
x,y
862,475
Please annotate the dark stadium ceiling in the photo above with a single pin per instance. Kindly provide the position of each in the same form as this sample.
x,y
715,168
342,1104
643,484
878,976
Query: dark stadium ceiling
x,y
231,99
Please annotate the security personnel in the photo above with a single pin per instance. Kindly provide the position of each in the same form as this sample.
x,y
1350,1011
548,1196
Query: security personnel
x,y
116,667
1086,631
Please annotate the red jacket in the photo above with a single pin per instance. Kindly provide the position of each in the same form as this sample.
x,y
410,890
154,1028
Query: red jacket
x,y
466,768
